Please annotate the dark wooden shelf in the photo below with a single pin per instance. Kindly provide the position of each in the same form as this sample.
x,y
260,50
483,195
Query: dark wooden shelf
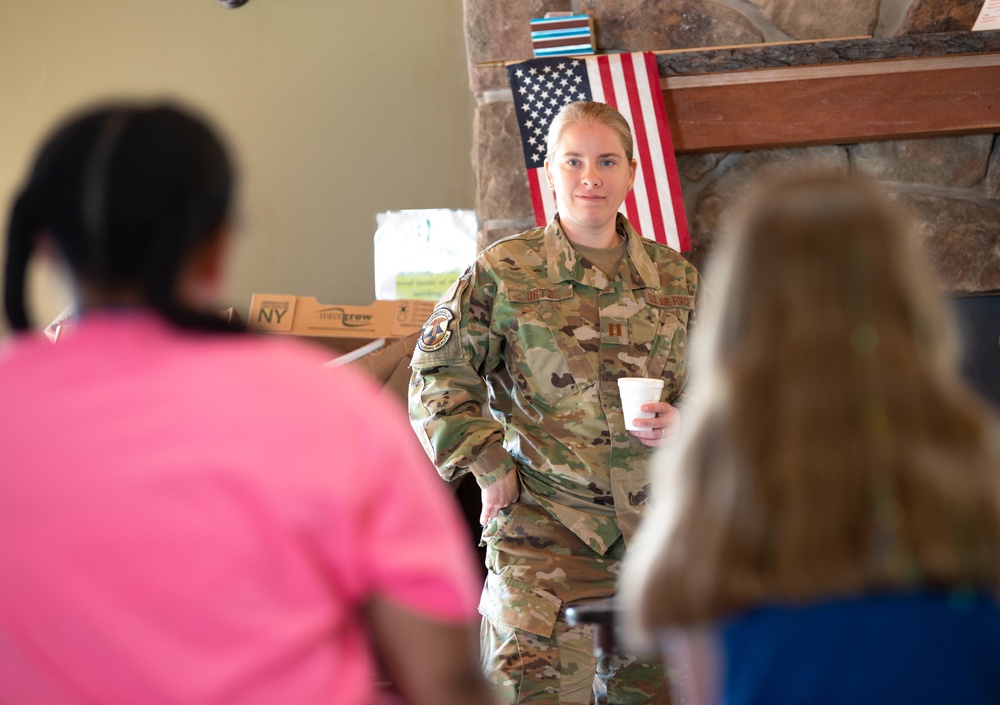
x,y
833,92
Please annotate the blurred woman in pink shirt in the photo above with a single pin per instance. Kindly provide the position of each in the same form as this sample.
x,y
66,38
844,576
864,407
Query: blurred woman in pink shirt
x,y
190,514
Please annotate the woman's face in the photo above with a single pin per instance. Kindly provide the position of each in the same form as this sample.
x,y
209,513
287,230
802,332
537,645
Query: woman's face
x,y
590,176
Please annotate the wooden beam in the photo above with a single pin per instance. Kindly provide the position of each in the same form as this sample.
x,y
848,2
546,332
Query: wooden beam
x,y
678,62
834,104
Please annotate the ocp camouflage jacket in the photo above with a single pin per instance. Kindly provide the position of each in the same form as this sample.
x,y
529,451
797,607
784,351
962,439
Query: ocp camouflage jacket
x,y
537,336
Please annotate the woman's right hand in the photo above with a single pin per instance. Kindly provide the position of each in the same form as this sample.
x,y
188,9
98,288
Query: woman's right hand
x,y
500,494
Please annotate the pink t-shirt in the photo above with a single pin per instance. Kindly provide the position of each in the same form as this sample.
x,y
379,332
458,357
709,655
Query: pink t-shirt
x,y
192,518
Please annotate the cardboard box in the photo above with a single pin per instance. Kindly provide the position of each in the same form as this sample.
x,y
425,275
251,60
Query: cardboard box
x,y
378,338
341,327
388,363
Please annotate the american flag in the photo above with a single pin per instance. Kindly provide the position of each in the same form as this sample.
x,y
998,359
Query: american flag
x,y
631,84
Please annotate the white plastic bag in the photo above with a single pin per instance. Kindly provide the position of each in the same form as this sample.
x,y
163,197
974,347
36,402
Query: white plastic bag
x,y
419,253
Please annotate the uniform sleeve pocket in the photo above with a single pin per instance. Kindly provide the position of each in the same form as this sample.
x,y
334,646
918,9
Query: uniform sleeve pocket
x,y
519,605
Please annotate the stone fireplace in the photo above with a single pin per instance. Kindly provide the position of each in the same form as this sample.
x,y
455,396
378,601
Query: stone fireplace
x,y
950,183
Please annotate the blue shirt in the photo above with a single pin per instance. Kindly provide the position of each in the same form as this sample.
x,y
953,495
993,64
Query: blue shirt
x,y
909,649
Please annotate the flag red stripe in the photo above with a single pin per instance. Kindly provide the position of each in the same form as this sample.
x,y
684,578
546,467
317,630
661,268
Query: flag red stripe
x,y
667,143
645,155
607,82
537,204
608,86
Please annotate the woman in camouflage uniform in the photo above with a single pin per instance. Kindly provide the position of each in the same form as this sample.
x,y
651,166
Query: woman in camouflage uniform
x,y
537,332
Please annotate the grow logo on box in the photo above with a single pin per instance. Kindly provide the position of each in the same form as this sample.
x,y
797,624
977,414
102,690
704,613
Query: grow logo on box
x,y
348,320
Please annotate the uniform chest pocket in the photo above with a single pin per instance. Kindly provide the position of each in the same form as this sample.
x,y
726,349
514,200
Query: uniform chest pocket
x,y
544,357
667,358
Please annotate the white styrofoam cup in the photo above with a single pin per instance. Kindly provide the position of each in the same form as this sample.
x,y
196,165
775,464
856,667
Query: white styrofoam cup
x,y
636,391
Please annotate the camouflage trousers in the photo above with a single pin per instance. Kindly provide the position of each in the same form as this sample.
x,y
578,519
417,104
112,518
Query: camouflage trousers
x,y
537,568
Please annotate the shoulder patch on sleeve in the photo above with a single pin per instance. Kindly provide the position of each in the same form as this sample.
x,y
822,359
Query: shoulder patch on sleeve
x,y
436,331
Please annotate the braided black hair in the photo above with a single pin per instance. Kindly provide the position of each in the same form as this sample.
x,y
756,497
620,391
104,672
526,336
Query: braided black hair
x,y
128,194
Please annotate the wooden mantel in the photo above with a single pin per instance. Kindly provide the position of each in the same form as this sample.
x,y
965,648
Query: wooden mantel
x,y
834,92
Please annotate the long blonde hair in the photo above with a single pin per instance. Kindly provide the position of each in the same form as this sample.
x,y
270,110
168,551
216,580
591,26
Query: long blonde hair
x,y
836,451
